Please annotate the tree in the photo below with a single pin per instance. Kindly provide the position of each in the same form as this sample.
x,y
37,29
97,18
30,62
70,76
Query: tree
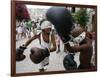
x,y
82,17
22,12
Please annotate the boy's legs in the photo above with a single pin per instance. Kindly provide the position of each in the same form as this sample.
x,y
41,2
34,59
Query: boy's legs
x,y
43,64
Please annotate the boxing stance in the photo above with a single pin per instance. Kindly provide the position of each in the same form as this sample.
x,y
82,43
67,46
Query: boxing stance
x,y
84,47
63,21
46,38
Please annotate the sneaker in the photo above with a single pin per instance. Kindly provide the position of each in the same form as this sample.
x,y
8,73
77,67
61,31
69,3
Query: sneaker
x,y
42,70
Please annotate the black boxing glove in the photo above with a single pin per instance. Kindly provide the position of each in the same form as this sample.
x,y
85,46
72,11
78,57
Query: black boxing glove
x,y
21,49
62,20
19,53
69,62
37,54
46,52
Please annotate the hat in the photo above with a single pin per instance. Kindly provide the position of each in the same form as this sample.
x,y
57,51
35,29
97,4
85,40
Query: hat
x,y
46,24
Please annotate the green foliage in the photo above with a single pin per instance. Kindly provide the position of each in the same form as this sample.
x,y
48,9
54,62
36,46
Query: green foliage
x,y
81,17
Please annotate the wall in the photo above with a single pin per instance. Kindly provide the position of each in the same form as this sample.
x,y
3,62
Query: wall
x,y
5,29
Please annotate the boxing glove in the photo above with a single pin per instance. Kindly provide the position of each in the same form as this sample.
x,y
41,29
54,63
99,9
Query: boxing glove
x,y
46,52
37,55
62,20
21,49
69,62
19,53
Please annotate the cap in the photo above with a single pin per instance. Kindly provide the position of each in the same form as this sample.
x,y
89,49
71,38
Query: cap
x,y
46,24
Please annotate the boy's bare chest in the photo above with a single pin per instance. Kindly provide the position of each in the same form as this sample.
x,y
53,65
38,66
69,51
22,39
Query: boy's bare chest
x,y
46,38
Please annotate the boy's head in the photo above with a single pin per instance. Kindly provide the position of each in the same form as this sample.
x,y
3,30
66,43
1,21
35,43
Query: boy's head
x,y
46,27
77,31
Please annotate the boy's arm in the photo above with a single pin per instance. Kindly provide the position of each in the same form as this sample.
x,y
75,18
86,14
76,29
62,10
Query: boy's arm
x,y
86,45
30,40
